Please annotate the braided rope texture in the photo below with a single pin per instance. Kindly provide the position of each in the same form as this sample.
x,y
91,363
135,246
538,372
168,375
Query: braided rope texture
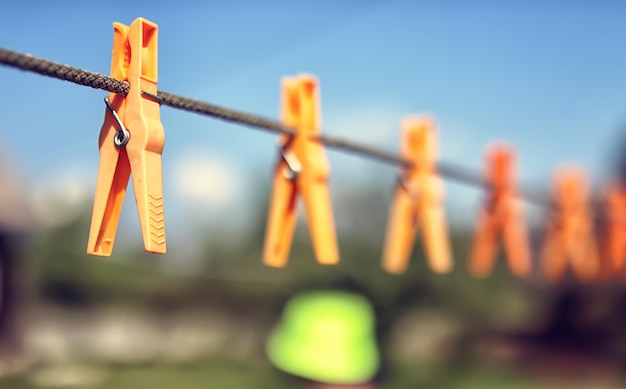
x,y
62,72
100,81
94,80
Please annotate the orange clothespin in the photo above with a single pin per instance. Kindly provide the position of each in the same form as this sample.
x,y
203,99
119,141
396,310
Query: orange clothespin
x,y
418,197
615,225
612,236
502,217
569,232
302,170
131,141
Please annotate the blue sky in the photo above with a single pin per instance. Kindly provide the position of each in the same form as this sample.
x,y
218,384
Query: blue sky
x,y
548,78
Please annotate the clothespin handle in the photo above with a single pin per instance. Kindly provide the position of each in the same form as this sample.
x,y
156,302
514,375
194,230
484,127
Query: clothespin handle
x,y
147,134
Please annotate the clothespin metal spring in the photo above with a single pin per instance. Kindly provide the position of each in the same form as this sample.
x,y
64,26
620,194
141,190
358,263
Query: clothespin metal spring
x,y
411,190
294,167
122,136
151,96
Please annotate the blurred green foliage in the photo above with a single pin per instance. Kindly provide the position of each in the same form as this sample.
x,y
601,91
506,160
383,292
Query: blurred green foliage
x,y
234,273
413,309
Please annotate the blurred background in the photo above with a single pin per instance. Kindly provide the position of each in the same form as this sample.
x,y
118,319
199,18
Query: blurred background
x,y
548,78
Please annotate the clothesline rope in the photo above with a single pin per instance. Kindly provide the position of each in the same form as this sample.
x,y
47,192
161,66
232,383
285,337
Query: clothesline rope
x,y
461,174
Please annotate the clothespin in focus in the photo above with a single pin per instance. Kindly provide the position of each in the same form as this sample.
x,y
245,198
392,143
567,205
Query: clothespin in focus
x,y
569,232
613,247
302,170
418,201
500,218
131,141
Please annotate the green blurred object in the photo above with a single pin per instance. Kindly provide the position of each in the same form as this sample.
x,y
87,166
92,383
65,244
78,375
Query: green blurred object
x,y
326,336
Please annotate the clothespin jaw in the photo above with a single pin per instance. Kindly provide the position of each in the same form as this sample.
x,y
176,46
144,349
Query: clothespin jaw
x,y
302,171
418,200
500,218
569,235
136,115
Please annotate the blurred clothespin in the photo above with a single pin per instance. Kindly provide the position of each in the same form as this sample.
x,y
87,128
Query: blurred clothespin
x,y
131,141
302,170
569,232
613,247
418,201
500,218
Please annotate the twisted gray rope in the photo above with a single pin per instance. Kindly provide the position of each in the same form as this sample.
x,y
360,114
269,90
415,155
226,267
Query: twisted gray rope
x,y
94,80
